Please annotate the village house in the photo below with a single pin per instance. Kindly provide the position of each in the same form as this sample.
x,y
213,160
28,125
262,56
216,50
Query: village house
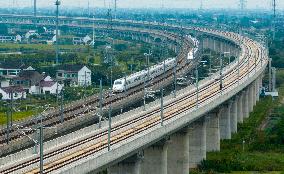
x,y
74,75
35,83
13,68
49,86
4,82
82,40
28,80
12,92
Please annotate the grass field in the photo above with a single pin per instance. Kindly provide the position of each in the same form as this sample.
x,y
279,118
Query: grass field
x,y
263,150
17,116
36,47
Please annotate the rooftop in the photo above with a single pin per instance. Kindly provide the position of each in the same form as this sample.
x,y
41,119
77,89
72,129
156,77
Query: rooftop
x,y
31,75
70,68
47,83
13,89
13,65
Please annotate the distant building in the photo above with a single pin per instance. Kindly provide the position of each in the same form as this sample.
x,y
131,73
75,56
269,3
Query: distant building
x,y
12,68
87,40
12,92
31,33
18,38
74,75
29,80
50,87
5,39
4,82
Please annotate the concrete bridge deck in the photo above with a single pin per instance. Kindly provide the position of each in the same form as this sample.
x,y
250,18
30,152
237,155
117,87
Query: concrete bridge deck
x,y
194,122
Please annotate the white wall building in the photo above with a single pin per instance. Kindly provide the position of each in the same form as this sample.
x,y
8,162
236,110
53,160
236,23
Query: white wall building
x,y
14,92
74,75
84,77
49,86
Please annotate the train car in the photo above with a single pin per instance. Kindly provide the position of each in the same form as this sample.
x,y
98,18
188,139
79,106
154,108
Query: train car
x,y
136,79
123,84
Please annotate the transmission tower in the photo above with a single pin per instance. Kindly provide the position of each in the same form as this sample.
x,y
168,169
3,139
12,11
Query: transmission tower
x,y
89,13
57,3
242,5
163,4
115,8
35,8
201,5
274,17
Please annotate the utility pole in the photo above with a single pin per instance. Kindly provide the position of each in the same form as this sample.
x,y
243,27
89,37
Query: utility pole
x,y
41,147
162,106
8,126
201,5
270,75
197,86
273,79
89,14
57,92
115,9
35,11
221,74
175,78
101,103
239,66
242,6
147,59
109,127
144,102
94,33
274,17
62,105
11,108
57,3
248,68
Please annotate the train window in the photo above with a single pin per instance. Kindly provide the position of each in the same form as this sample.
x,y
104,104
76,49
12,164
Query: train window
x,y
118,83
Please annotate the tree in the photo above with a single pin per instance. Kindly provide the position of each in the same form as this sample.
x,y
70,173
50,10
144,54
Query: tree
x,y
3,29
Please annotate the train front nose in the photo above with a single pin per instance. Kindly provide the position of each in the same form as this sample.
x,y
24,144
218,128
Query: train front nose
x,y
117,88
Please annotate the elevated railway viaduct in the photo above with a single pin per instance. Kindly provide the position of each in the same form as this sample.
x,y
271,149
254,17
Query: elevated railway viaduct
x,y
85,111
193,123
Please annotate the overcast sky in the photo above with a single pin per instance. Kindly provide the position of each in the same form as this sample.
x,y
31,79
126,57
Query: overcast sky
x,y
251,4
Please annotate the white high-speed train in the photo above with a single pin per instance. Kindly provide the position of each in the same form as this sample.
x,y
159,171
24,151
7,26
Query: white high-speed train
x,y
137,78
191,55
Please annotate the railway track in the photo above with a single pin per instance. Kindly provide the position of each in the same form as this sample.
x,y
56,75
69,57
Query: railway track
x,y
208,91
54,118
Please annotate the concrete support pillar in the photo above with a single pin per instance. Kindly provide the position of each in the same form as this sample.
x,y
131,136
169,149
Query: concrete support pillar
x,y
246,103
234,115
213,132
197,143
178,153
258,88
155,159
254,93
240,109
225,122
132,165
250,101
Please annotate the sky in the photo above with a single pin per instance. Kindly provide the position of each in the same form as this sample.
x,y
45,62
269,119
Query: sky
x,y
231,4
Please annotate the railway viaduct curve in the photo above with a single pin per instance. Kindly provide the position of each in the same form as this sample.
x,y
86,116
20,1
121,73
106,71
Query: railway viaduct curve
x,y
193,122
